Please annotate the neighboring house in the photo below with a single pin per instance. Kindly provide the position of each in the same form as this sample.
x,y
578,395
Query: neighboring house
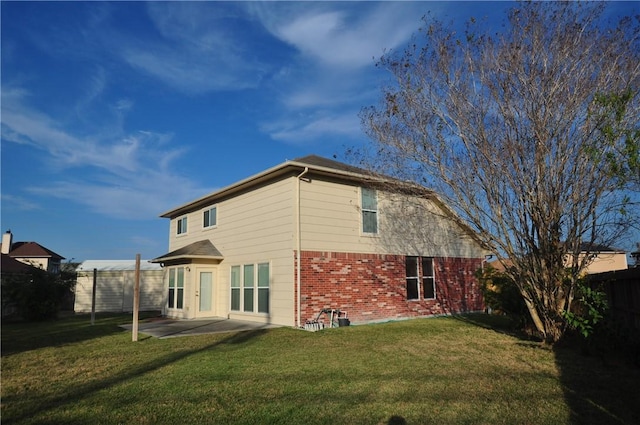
x,y
12,266
601,259
313,234
605,259
31,253
115,281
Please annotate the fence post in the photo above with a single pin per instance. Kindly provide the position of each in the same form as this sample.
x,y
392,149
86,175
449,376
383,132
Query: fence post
x,y
136,300
93,297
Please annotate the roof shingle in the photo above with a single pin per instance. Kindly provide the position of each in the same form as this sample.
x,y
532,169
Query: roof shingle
x,y
200,249
32,249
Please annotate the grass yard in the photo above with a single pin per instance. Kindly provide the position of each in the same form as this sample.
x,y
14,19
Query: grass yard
x,y
428,371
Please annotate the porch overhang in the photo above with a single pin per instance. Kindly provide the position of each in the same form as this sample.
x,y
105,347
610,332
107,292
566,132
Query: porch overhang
x,y
201,251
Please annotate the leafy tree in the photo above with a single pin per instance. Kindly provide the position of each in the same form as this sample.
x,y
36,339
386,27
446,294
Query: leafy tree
x,y
501,294
510,129
593,303
622,137
37,294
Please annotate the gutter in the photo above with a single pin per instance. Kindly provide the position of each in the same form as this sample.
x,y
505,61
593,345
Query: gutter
x,y
298,247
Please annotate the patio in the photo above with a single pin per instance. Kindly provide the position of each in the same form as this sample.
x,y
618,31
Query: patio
x,y
171,328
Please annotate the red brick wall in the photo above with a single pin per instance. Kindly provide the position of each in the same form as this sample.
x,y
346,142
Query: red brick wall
x,y
371,287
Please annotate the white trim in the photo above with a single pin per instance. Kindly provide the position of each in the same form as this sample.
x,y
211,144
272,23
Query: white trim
x,y
208,209
420,276
415,276
197,288
255,288
298,249
363,210
432,276
186,222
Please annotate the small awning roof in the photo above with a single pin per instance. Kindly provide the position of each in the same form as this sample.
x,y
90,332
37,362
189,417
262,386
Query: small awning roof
x,y
201,250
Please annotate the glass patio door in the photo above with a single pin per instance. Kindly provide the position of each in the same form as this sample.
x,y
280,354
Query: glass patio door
x,y
205,293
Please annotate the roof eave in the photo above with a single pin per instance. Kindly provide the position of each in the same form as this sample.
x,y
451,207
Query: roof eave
x,y
185,257
266,175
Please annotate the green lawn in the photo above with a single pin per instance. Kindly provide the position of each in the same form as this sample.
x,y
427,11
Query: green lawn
x,y
427,371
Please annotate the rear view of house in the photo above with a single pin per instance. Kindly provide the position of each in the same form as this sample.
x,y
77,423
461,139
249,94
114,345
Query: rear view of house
x,y
313,234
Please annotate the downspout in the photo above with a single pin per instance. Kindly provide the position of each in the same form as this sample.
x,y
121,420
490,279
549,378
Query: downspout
x,y
298,245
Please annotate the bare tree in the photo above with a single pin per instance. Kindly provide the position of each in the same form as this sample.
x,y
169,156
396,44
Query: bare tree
x,y
510,129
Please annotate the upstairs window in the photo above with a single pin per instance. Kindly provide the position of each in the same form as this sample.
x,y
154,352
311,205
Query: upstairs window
x,y
210,217
369,211
182,225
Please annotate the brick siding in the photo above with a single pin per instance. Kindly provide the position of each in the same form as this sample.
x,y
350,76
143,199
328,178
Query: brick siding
x,y
372,287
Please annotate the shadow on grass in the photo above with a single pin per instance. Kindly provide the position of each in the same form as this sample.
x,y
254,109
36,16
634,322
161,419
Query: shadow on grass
x,y
596,392
397,420
78,393
497,323
18,337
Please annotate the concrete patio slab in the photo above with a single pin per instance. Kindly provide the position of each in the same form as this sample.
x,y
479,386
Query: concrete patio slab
x,y
171,328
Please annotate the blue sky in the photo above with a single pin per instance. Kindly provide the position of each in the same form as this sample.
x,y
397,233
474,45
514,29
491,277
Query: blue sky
x,y
113,113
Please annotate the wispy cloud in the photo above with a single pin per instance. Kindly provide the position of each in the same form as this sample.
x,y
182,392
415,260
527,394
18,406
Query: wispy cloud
x,y
92,90
344,37
18,203
125,177
322,125
337,45
199,51
142,198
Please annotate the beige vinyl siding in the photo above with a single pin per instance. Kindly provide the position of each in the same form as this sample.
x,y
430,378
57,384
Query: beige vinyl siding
x,y
331,221
253,227
330,218
151,290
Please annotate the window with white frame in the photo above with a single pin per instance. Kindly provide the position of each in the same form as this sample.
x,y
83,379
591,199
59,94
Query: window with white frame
x,y
263,287
428,279
420,278
235,288
250,288
247,287
210,217
181,227
175,298
369,211
412,273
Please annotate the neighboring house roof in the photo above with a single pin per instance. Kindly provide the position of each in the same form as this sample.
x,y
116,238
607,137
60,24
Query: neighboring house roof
x,y
500,265
202,250
116,265
597,248
11,265
33,250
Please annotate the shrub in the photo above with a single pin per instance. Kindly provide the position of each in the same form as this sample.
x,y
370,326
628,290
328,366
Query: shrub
x,y
36,295
588,310
502,296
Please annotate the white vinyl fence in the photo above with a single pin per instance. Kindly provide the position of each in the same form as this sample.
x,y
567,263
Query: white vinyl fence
x,y
114,286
